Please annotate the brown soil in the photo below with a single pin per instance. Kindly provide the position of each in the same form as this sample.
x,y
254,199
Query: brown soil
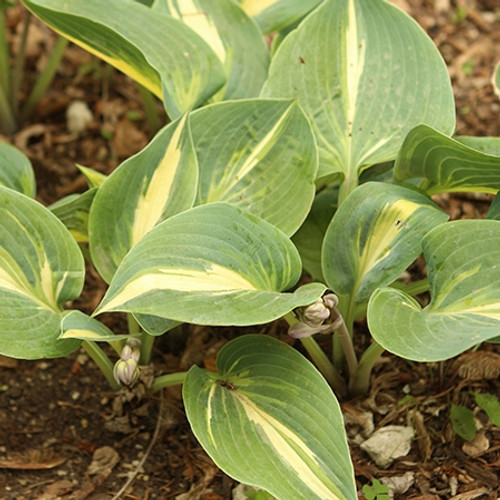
x,y
64,434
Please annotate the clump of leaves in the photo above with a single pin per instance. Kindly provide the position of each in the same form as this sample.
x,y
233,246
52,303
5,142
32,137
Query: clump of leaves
x,y
322,158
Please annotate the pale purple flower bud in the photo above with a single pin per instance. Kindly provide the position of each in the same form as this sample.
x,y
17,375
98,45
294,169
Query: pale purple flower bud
x,y
330,300
317,312
302,330
131,350
126,371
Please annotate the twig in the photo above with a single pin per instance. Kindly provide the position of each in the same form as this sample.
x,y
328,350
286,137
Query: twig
x,y
156,433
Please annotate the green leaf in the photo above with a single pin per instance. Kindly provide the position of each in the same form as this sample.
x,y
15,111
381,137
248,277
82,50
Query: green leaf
x,y
488,145
93,177
154,184
229,32
366,74
211,265
155,325
268,415
446,165
16,171
275,15
462,421
374,236
257,154
73,211
155,50
494,210
495,79
462,266
309,238
41,268
490,404
77,325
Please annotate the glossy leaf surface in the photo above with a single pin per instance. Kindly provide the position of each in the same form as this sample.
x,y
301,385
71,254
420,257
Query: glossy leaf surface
x,y
462,265
374,236
41,267
366,74
446,165
157,51
214,264
154,184
268,415
257,154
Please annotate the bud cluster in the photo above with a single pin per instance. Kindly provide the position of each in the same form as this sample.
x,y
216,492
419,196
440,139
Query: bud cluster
x,y
126,369
319,317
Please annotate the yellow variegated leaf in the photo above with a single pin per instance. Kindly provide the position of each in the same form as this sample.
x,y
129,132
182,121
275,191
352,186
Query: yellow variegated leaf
x,y
154,49
213,264
268,414
156,183
374,235
462,265
225,27
41,268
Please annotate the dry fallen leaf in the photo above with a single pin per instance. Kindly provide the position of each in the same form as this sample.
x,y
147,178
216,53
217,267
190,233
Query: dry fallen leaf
x,y
479,365
32,460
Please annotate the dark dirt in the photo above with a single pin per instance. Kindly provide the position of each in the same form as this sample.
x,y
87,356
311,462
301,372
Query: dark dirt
x,y
56,416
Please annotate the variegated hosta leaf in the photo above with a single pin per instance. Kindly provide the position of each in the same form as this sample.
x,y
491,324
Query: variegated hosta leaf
x,y
366,74
154,184
73,211
41,267
212,265
258,154
446,165
230,33
462,265
374,236
157,51
309,238
77,325
16,171
269,419
274,15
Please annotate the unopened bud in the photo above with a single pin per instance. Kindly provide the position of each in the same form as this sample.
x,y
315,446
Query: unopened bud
x,y
126,371
317,312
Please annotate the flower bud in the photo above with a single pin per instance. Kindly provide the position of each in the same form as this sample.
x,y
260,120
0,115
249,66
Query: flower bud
x,y
126,371
317,312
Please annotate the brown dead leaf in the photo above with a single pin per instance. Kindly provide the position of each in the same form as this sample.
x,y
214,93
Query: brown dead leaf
x,y
470,495
424,442
33,460
6,362
479,365
128,139
477,446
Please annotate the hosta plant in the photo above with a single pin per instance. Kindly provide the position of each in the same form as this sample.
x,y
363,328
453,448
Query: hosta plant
x,y
322,159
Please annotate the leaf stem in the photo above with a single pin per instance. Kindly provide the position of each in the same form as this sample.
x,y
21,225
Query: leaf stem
x,y
147,343
152,115
17,71
44,79
167,380
4,57
102,361
320,359
360,383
